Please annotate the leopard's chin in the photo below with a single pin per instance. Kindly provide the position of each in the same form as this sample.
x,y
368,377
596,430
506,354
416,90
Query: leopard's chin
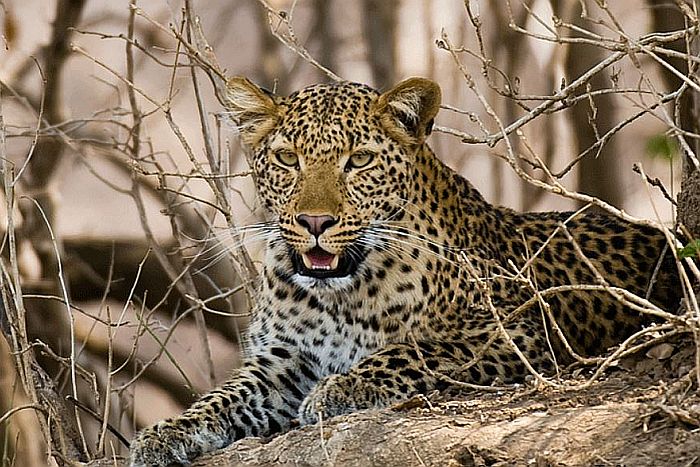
x,y
320,264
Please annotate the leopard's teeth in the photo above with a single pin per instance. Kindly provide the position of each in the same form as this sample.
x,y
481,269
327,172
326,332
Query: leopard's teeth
x,y
317,267
307,262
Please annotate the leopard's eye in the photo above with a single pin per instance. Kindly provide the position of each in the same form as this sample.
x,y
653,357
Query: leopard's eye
x,y
287,158
360,159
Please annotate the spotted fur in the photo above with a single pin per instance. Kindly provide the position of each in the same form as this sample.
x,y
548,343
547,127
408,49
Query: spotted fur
x,y
428,270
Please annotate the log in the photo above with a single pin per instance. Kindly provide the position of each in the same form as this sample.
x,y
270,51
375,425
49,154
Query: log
x,y
475,433
382,438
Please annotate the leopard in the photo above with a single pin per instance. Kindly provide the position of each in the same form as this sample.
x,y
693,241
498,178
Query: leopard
x,y
387,275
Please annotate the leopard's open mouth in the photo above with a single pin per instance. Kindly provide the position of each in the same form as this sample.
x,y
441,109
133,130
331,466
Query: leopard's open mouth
x,y
321,264
318,259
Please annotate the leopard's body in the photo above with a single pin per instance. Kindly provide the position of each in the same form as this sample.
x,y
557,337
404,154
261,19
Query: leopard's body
x,y
386,272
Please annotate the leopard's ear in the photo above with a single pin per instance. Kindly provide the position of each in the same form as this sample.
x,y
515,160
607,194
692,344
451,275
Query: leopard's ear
x,y
408,110
253,110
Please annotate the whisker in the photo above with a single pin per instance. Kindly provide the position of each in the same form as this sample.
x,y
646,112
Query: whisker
x,y
416,236
407,203
402,246
216,241
226,249
399,244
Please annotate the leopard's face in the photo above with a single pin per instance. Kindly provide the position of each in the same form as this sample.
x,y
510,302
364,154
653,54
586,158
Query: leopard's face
x,y
332,164
327,172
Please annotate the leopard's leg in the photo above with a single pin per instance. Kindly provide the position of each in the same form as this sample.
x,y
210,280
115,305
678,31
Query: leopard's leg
x,y
261,398
403,370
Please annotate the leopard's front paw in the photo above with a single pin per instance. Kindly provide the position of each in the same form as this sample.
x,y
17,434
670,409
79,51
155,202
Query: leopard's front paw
x,y
341,394
332,396
162,444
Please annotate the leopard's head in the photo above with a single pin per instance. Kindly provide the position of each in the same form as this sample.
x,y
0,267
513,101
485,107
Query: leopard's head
x,y
330,161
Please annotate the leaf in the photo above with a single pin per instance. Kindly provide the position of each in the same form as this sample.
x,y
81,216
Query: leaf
x,y
662,146
690,250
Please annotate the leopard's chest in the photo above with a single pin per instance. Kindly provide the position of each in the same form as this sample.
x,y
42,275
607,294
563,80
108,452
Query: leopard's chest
x,y
331,337
340,327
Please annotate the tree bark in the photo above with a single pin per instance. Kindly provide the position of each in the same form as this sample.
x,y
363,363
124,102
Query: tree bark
x,y
608,434
689,201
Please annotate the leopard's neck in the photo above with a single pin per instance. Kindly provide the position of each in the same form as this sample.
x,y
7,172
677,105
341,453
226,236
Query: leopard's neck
x,y
459,215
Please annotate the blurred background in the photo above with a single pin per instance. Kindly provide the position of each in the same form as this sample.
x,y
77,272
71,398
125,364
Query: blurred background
x,y
106,143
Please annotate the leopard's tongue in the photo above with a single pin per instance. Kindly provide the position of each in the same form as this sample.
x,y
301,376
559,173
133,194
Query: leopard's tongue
x,y
318,258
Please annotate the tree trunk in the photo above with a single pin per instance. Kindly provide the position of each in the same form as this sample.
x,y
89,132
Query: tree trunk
x,y
670,18
689,197
599,171
379,20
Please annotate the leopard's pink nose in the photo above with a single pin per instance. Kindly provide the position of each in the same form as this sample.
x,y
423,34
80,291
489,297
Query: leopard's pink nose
x,y
316,225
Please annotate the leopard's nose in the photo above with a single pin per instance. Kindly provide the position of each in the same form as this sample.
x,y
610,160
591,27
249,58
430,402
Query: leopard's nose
x,y
316,225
